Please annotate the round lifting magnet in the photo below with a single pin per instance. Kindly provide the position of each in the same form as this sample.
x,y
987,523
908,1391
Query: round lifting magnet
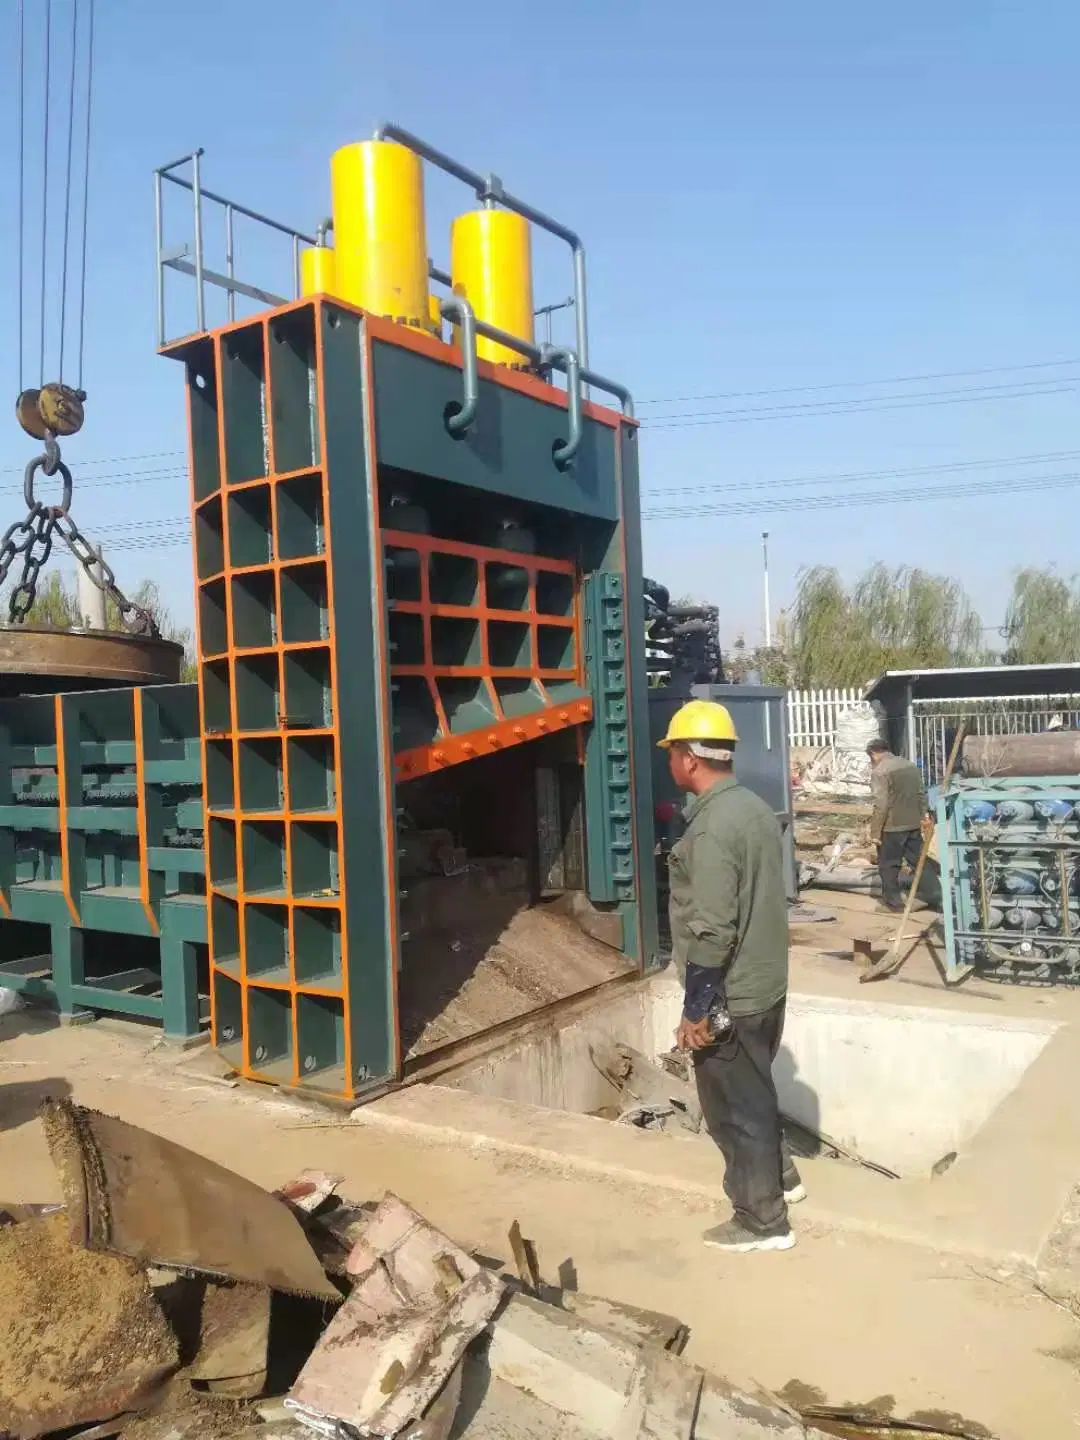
x,y
55,409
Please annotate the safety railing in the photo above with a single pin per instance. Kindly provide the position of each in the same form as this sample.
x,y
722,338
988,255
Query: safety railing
x,y
190,260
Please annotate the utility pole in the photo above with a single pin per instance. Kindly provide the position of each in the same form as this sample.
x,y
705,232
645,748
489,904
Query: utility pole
x,y
765,577
92,614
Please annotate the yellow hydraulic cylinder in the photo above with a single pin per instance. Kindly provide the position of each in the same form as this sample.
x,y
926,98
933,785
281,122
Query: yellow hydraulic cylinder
x,y
317,271
491,266
380,240
435,320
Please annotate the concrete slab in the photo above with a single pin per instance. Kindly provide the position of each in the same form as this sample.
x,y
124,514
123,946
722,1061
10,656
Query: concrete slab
x,y
903,1085
563,1362
844,1317
1000,1200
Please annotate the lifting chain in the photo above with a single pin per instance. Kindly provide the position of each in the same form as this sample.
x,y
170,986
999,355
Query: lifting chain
x,y
32,536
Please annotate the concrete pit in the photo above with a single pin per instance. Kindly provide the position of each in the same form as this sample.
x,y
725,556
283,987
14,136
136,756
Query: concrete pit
x,y
903,1086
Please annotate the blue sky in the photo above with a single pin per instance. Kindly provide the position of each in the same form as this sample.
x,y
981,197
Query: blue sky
x,y
773,195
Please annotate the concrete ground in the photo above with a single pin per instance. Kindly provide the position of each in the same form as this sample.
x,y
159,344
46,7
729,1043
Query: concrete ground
x,y
821,964
849,1315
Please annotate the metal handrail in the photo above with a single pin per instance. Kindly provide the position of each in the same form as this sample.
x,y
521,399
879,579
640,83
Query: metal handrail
x,y
488,188
176,259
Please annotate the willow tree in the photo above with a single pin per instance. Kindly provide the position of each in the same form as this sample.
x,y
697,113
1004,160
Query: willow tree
x,y
1042,619
891,618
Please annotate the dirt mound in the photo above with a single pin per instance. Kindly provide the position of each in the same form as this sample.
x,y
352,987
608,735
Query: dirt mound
x,y
83,1335
503,959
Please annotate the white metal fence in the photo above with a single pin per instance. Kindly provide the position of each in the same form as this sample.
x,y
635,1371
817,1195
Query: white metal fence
x,y
812,714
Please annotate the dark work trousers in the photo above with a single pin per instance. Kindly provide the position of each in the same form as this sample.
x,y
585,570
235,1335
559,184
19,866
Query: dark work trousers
x,y
738,1100
896,847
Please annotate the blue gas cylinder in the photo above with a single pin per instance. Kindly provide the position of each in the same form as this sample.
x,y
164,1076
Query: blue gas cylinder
x,y
979,811
1053,809
1010,811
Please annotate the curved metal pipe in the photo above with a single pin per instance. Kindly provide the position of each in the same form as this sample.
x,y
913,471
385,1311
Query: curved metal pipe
x,y
550,355
612,387
490,188
457,308
323,229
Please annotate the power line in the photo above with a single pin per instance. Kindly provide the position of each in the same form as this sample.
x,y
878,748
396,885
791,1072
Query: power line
x,y
175,529
693,419
135,525
862,384
880,497
1020,386
109,460
137,477
950,467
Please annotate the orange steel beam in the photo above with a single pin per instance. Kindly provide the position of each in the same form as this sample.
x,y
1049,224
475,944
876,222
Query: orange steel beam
x,y
490,739
420,342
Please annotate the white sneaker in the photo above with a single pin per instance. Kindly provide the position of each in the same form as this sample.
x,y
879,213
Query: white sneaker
x,y
795,1194
736,1238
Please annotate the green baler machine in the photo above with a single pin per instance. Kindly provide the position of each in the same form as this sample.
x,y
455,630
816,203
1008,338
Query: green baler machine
x,y
420,722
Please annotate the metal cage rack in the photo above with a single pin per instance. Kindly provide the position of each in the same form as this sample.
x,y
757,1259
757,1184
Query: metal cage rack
x,y
1010,860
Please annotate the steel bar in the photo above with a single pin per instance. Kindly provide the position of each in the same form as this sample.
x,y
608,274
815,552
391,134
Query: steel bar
x,y
173,260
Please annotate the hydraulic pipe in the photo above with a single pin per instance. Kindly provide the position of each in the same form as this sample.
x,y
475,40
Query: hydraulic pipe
x,y
534,353
458,310
563,454
490,187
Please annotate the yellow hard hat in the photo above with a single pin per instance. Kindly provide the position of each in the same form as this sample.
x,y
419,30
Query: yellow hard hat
x,y
703,720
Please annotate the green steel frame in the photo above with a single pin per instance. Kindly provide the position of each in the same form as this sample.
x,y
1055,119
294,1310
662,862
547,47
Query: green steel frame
x,y
377,598
101,854
319,443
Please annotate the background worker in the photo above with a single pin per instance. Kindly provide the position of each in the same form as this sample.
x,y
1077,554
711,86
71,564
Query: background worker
x,y
730,942
896,825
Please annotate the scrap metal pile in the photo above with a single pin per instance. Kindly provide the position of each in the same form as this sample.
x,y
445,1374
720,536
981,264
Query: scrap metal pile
x,y
169,1298
682,641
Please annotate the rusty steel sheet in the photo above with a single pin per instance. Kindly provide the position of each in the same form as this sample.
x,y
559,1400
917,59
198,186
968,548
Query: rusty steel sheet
x,y
41,660
134,1193
416,1303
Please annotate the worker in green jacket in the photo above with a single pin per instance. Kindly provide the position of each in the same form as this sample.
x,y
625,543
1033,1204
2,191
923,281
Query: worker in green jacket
x,y
899,796
729,932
